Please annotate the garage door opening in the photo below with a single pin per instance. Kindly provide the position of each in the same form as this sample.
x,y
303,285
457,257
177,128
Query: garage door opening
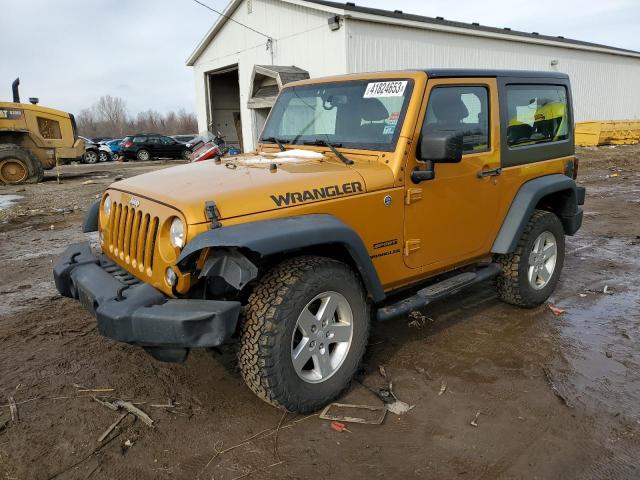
x,y
224,106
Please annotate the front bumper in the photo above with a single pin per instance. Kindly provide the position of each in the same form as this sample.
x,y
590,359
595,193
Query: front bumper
x,y
130,311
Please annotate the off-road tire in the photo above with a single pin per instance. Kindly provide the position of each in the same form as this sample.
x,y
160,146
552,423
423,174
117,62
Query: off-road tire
x,y
512,284
27,158
269,319
141,159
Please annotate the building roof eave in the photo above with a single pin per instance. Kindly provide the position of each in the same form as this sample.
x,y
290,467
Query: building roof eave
x,y
375,15
206,40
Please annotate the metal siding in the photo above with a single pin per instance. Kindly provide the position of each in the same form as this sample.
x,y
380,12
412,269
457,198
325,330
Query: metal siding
x,y
605,86
302,38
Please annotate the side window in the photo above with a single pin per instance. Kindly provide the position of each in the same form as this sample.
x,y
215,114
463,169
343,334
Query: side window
x,y
166,140
536,114
153,140
462,109
139,139
49,129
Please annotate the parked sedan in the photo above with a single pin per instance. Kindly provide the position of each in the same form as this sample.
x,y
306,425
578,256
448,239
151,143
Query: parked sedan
x,y
114,145
147,146
184,138
91,151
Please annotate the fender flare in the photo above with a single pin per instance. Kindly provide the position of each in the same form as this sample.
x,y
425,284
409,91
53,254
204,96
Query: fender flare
x,y
525,202
90,223
283,235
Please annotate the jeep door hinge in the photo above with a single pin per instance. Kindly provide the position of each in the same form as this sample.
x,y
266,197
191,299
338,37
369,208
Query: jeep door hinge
x,y
411,246
413,195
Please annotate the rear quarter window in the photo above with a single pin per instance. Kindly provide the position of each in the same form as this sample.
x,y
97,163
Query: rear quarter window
x,y
139,139
537,114
536,120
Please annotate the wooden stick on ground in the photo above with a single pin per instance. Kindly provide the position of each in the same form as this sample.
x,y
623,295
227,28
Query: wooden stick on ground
x,y
261,469
109,405
111,427
14,410
129,407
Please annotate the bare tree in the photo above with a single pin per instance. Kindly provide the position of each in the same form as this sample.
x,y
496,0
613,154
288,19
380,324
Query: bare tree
x,y
113,112
86,122
108,117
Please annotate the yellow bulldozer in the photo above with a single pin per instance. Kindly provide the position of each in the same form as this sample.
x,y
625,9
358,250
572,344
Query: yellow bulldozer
x,y
34,139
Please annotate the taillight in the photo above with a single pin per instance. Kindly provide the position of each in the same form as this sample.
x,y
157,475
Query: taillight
x,y
571,168
127,144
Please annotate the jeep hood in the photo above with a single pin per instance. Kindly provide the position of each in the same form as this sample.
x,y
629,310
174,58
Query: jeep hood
x,y
249,184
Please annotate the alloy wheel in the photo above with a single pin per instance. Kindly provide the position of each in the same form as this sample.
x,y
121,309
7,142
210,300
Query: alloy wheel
x,y
322,337
542,260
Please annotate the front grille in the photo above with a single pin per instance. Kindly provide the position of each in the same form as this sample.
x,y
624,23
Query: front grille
x,y
131,237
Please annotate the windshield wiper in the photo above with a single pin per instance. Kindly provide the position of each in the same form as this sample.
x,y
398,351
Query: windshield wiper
x,y
332,147
275,140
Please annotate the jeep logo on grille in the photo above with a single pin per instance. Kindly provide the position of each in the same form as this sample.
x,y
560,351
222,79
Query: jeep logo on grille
x,y
134,202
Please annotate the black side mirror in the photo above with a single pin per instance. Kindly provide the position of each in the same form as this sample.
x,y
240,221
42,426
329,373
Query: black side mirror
x,y
437,147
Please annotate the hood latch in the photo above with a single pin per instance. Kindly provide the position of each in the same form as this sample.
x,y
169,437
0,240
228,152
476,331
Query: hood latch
x,y
212,213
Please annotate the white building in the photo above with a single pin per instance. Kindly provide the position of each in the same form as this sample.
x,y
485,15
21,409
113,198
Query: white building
x,y
259,45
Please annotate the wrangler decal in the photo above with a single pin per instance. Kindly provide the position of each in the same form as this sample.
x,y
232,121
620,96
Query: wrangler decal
x,y
291,198
384,254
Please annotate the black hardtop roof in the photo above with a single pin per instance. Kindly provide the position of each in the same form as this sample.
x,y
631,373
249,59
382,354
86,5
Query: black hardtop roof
x,y
472,72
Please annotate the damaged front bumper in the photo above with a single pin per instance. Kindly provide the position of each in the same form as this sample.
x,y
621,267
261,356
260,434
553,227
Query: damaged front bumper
x,y
130,311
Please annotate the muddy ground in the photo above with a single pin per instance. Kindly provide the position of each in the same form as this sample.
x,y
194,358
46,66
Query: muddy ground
x,y
557,396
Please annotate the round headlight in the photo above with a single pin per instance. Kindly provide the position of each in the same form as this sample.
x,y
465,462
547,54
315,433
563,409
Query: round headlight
x,y
107,205
170,276
176,233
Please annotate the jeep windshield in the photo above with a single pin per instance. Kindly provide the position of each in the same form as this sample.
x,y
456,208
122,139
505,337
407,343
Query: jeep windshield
x,y
362,114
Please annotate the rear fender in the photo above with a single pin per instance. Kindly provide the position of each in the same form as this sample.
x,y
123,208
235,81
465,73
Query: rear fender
x,y
557,193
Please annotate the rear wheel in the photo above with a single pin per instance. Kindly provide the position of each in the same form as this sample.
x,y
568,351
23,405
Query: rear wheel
x,y
19,165
305,330
530,274
143,155
103,156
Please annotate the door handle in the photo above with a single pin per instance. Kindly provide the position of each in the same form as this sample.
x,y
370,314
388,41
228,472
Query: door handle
x,y
490,173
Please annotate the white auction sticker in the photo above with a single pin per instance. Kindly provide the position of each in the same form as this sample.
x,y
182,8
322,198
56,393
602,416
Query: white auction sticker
x,y
385,89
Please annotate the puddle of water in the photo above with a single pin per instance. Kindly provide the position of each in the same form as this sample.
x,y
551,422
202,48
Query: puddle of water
x,y
605,363
602,332
8,200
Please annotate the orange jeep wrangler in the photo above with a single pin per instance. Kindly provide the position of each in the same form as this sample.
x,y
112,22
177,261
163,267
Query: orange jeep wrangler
x,y
368,196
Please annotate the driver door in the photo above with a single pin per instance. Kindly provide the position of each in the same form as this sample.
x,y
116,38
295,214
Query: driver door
x,y
450,219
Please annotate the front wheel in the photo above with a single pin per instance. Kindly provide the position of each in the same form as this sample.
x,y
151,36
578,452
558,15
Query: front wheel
x,y
530,274
305,331
103,156
91,156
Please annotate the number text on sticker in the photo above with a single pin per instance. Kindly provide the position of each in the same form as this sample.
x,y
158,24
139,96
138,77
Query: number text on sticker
x,y
385,89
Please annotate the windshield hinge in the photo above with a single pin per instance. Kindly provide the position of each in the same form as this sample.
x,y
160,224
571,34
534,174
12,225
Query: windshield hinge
x,y
410,246
212,213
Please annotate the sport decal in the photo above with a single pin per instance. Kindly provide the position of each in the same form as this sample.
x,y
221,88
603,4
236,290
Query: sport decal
x,y
386,243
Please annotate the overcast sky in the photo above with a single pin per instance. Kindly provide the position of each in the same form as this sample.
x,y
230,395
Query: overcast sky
x,y
70,52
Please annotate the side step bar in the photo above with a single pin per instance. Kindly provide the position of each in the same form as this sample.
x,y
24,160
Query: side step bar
x,y
437,291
